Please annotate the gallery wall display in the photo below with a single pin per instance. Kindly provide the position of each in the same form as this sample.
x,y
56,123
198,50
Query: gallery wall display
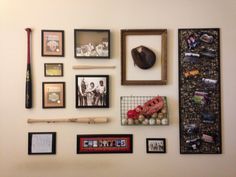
x,y
53,94
105,143
53,69
52,43
92,91
156,145
143,56
144,110
92,43
199,91
41,143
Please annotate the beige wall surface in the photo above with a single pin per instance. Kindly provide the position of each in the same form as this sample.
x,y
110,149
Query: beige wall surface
x,y
67,15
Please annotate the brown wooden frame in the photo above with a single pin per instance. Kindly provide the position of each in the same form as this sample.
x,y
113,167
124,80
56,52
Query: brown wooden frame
x,y
160,32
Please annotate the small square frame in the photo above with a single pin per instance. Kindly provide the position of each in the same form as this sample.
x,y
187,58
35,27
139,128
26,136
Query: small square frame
x,y
104,143
92,43
154,39
53,94
87,97
156,145
52,43
40,143
53,69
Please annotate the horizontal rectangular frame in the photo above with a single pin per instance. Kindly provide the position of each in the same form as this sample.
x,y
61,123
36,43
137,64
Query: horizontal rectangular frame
x,y
52,64
129,138
92,30
30,134
155,139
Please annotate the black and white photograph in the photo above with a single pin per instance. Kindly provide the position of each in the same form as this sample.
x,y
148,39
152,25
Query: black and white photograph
x,y
92,91
91,43
156,145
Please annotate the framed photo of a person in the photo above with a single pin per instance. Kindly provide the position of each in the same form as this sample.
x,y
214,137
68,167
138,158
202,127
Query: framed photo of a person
x,y
92,91
53,94
92,43
53,43
41,143
156,145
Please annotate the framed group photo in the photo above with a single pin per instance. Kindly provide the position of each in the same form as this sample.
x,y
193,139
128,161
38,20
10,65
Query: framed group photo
x,y
92,91
41,143
143,56
105,143
53,43
92,43
53,94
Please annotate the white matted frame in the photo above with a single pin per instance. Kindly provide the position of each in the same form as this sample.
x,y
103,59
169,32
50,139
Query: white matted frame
x,y
41,143
154,39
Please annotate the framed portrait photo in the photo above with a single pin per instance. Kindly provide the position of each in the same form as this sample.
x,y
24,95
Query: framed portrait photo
x,y
105,143
52,43
92,43
92,91
143,56
156,145
53,94
53,69
41,143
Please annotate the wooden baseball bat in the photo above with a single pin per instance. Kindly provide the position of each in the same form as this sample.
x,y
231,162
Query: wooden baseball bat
x,y
28,85
93,67
88,120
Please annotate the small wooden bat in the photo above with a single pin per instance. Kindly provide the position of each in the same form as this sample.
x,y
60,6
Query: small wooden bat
x,y
28,85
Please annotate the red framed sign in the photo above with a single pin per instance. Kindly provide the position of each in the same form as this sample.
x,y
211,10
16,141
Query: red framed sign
x,y
105,143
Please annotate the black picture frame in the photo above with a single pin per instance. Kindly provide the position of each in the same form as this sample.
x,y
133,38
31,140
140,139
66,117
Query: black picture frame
x,y
88,91
152,39
155,145
53,69
41,143
92,43
104,143
53,95
52,43
199,91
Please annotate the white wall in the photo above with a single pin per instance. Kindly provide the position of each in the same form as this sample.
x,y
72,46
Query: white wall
x,y
67,15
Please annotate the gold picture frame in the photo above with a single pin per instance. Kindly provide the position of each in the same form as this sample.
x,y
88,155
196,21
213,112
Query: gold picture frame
x,y
53,69
53,94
